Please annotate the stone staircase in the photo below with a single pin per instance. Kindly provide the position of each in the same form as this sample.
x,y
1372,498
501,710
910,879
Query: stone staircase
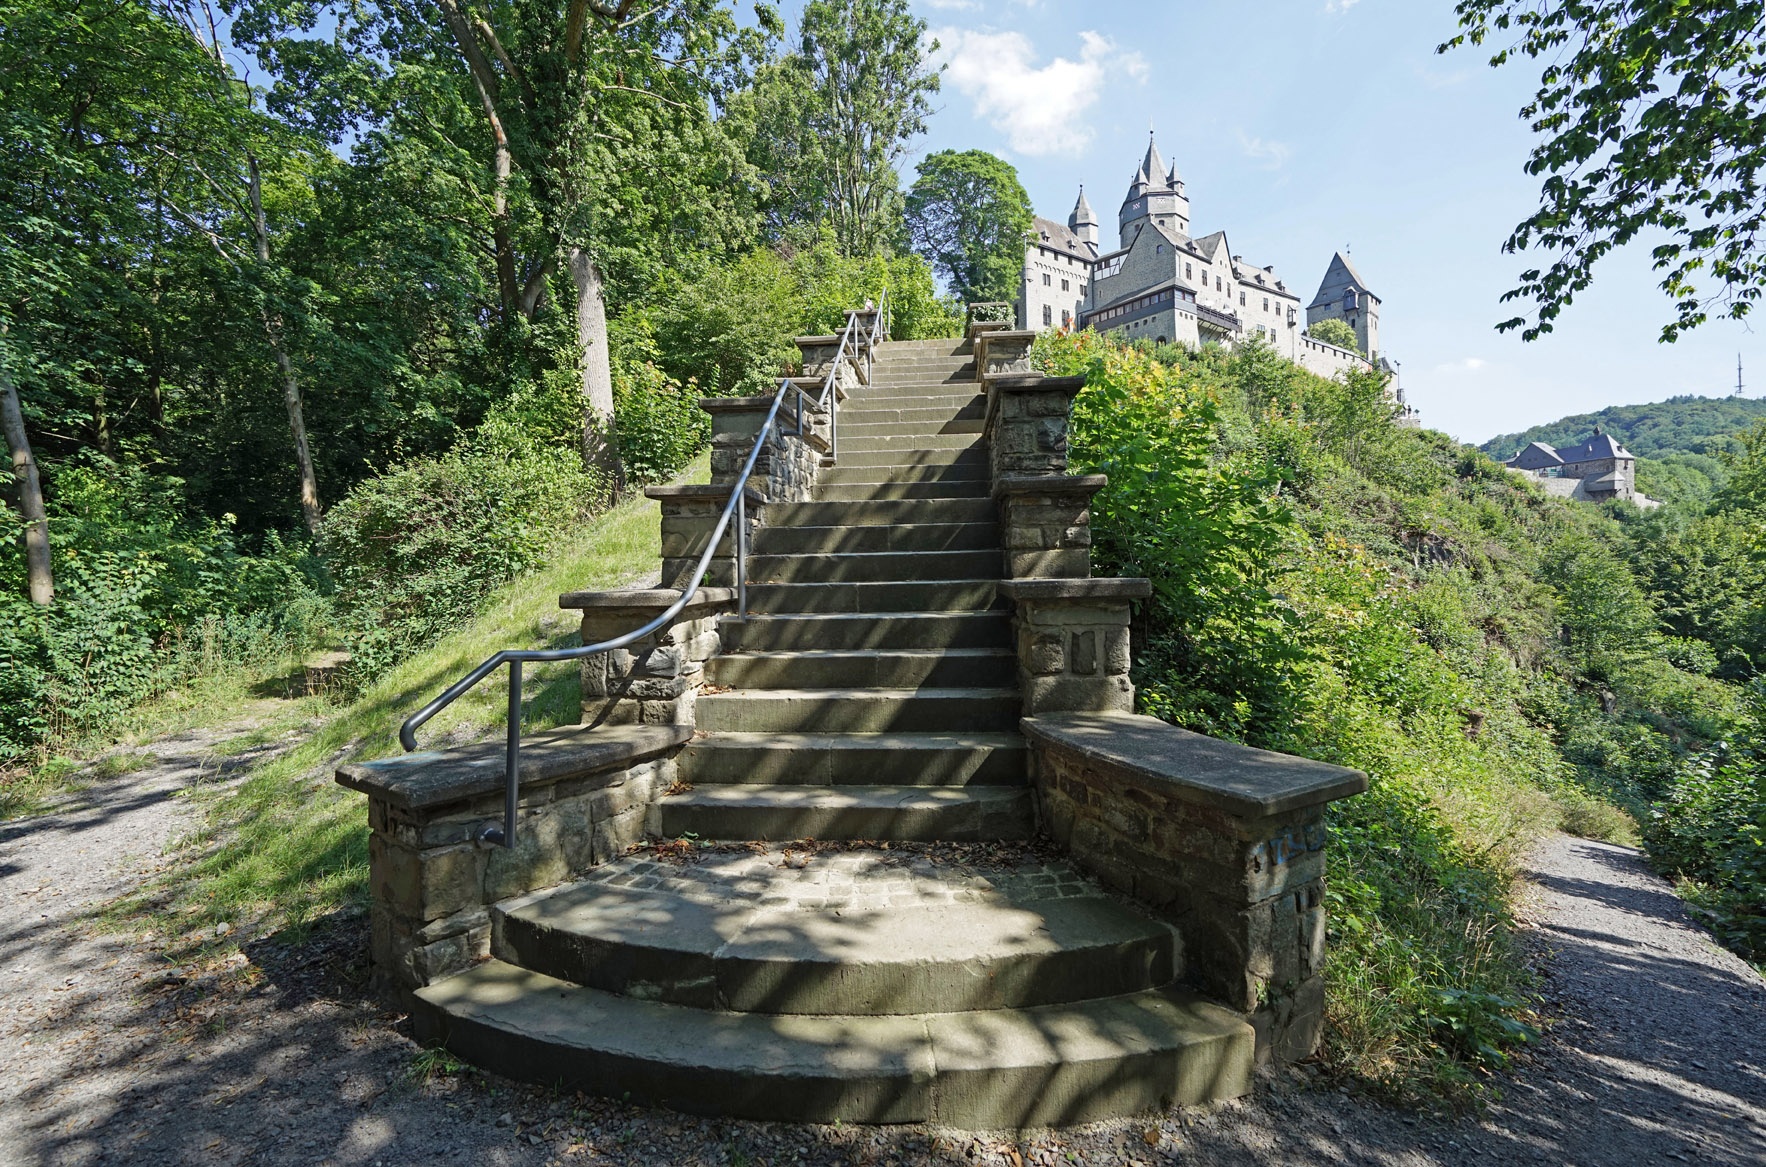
x,y
873,689
873,692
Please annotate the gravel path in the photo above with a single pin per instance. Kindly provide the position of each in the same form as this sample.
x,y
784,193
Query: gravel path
x,y
278,1055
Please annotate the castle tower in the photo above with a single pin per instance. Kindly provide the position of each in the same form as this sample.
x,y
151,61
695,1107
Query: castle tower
x,y
1083,222
1155,195
1343,295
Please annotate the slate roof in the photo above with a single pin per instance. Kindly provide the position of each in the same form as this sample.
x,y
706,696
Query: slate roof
x,y
1536,456
1600,446
1061,238
1082,212
1339,275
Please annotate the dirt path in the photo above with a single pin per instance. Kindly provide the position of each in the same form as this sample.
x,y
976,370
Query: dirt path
x,y
278,1055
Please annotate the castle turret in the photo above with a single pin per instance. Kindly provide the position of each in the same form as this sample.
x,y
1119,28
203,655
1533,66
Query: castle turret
x,y
1155,195
1344,295
1083,222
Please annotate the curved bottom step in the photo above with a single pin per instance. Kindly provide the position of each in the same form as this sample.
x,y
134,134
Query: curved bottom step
x,y
996,1069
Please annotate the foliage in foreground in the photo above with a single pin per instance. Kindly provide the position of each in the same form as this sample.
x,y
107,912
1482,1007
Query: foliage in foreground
x,y
1329,584
288,845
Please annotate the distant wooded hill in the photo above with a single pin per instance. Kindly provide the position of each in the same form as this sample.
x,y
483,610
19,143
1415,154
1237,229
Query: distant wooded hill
x,y
1676,441
1679,425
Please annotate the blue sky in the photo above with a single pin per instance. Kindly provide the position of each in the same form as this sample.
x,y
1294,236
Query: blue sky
x,y
1304,126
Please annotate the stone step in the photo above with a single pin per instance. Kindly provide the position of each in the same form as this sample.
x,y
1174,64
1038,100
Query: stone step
x,y
853,934
931,381
989,1069
854,417
856,759
874,567
851,429
870,444
946,345
859,710
955,595
845,475
859,540
888,630
876,398
863,491
964,814
954,668
976,455
856,514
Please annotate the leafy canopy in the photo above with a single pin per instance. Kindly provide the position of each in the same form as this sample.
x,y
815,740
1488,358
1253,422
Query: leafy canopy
x,y
1334,331
1652,126
969,216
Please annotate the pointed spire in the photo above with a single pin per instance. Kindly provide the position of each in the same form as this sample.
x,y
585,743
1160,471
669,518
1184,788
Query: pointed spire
x,y
1082,212
1152,165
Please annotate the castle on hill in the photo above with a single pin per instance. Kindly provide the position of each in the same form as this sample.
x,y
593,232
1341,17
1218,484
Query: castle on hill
x,y
1593,471
1165,285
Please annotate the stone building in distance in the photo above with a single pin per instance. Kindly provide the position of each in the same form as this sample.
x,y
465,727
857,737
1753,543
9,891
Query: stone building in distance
x,y
1163,284
1593,471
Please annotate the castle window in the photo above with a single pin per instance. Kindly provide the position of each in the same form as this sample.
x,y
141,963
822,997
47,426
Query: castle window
x,y
1047,279
1241,298
1159,250
1066,318
1064,286
1187,273
1048,314
1218,286
1266,303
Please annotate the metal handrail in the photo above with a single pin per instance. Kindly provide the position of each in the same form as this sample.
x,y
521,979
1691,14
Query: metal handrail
x,y
737,508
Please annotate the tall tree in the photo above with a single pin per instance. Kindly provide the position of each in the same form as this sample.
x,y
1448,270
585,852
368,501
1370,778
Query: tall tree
x,y
1652,117
832,120
968,215
38,568
596,131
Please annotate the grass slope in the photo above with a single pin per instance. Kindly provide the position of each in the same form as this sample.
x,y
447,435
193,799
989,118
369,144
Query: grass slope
x,y
288,845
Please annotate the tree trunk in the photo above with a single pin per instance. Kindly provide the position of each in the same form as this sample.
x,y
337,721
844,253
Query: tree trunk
x,y
303,454
599,452
30,494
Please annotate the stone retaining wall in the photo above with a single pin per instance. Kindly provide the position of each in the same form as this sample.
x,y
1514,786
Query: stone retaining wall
x,y
654,681
585,796
1223,841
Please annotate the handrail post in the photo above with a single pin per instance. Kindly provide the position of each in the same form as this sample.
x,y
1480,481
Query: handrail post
x,y
505,836
742,551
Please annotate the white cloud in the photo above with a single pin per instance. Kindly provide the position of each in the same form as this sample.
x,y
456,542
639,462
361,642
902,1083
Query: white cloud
x,y
1338,7
1271,154
1040,110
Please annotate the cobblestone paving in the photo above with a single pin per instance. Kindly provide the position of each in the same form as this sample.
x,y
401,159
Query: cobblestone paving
x,y
842,881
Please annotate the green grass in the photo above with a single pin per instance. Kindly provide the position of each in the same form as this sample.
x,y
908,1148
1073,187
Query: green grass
x,y
288,846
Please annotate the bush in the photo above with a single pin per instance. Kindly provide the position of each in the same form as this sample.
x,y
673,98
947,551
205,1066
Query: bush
x,y
414,551
146,598
1710,829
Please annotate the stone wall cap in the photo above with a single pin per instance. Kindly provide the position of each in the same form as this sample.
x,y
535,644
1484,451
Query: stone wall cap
x,y
701,490
737,404
646,600
1031,382
433,778
815,341
1238,779
1049,484
1129,588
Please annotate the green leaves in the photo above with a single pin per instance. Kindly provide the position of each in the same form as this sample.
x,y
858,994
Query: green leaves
x,y
1652,115
968,215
